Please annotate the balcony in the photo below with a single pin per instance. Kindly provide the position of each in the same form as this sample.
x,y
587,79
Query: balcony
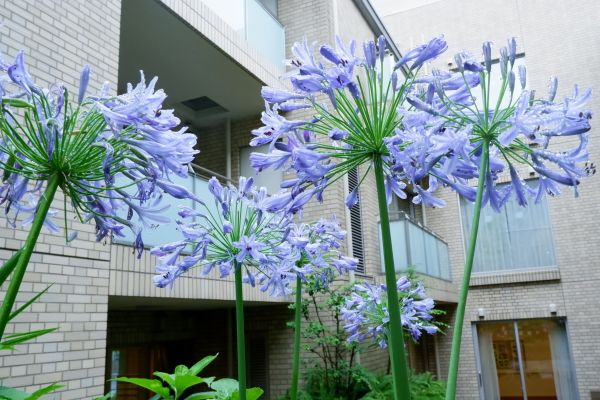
x,y
251,20
417,247
197,183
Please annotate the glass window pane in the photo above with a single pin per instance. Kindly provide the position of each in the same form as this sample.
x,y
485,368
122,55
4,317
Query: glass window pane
x,y
546,360
516,237
499,360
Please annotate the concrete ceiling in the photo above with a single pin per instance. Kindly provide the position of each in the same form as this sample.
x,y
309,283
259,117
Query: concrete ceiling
x,y
188,65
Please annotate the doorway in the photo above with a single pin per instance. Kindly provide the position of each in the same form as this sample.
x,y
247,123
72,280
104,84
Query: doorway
x,y
525,360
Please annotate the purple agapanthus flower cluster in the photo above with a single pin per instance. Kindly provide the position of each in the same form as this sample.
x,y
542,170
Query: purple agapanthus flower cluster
x,y
242,232
317,250
366,312
455,115
429,130
112,155
354,104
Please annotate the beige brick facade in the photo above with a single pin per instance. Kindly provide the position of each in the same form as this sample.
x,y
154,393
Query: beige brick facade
x,y
558,38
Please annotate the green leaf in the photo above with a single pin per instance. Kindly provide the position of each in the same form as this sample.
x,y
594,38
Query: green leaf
x,y
40,392
178,381
24,306
7,393
200,365
18,338
153,385
225,386
16,103
181,370
252,393
168,378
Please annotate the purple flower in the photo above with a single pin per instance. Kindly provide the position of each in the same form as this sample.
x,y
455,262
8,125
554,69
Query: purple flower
x,y
118,170
248,233
366,315
425,52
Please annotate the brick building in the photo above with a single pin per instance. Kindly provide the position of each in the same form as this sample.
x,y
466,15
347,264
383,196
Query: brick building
x,y
212,57
543,287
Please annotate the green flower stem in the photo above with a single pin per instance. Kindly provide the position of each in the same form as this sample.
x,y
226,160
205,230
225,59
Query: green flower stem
x,y
297,331
40,215
464,290
396,334
239,321
9,266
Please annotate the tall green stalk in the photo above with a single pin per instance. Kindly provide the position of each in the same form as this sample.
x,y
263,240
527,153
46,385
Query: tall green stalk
x,y
396,334
241,340
297,332
464,290
17,277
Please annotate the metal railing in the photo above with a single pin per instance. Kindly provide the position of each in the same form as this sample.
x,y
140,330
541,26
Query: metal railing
x,y
417,247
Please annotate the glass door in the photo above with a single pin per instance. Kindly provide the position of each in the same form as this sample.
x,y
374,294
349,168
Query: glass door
x,y
525,360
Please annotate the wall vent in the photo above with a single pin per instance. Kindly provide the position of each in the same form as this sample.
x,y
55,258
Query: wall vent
x,y
356,224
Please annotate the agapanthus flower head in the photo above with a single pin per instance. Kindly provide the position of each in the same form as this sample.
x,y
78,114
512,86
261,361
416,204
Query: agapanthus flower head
x,y
237,231
354,100
367,317
317,249
113,156
456,117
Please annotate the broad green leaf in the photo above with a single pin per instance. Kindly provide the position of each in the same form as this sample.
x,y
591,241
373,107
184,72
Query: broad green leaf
x,y
181,370
184,382
179,383
18,338
225,386
154,385
24,306
168,378
200,365
251,394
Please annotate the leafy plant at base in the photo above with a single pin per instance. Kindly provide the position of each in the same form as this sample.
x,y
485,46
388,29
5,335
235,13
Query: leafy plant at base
x,y
333,372
423,386
173,386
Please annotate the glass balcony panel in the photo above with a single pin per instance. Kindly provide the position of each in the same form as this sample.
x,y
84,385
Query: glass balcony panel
x,y
232,12
398,231
431,252
265,33
416,240
420,249
444,259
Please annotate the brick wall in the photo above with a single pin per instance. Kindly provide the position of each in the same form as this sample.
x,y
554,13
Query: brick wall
x,y
559,38
59,38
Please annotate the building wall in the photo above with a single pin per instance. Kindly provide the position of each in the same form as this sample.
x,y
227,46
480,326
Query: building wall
x,y
58,39
559,38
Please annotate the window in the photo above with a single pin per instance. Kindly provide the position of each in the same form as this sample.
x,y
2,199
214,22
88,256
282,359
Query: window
x,y
514,238
269,178
536,366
